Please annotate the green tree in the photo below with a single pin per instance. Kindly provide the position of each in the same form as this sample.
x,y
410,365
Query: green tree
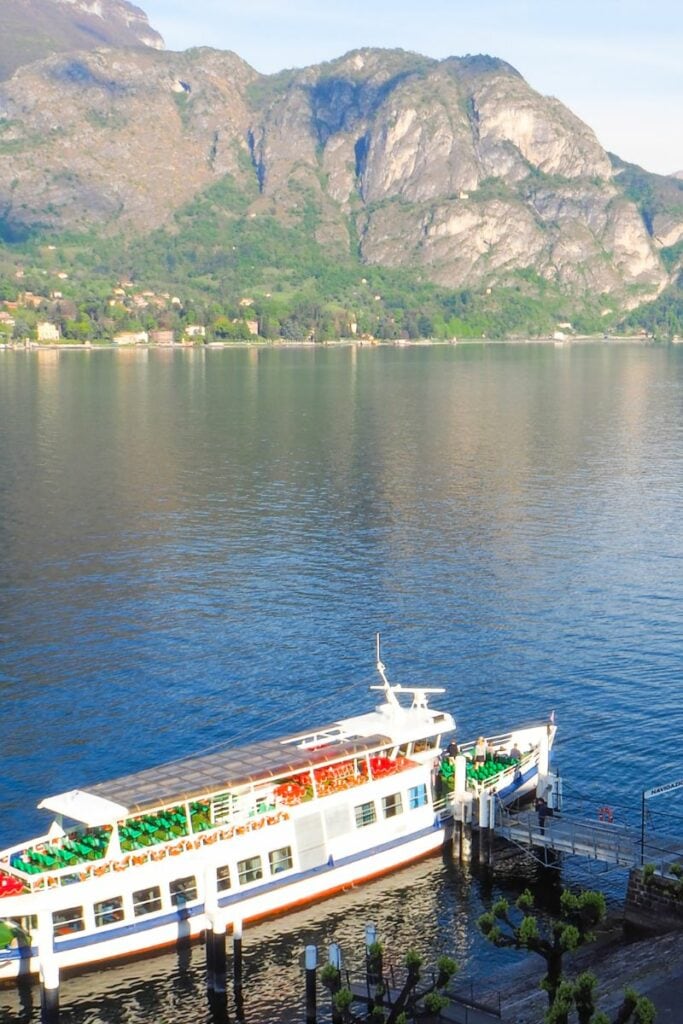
x,y
523,927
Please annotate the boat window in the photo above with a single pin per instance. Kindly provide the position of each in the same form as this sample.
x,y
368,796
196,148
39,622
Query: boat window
x,y
108,911
70,879
146,901
392,805
403,750
420,745
67,921
365,814
183,890
249,870
280,860
223,878
417,796
28,924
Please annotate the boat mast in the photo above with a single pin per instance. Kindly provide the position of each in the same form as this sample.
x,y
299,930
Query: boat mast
x,y
386,685
419,692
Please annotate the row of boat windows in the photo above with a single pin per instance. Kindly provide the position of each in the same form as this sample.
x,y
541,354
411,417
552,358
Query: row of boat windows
x,y
392,805
181,891
184,890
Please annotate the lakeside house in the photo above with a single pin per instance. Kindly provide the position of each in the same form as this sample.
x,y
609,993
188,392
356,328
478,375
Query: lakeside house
x,y
131,338
46,331
162,337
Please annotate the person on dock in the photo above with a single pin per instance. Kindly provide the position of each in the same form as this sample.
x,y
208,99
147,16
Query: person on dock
x,y
543,812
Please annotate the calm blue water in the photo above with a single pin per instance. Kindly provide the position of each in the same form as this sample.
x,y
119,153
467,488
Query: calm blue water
x,y
198,547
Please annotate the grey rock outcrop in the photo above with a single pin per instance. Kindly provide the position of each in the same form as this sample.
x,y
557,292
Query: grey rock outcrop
x,y
456,167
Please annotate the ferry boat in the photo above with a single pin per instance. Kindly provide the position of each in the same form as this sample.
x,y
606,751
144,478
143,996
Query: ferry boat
x,y
143,861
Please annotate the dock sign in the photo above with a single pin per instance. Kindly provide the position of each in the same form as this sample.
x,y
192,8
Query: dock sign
x,y
665,788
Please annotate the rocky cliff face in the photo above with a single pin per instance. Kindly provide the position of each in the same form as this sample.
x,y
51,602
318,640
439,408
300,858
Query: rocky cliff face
x,y
32,29
118,139
456,167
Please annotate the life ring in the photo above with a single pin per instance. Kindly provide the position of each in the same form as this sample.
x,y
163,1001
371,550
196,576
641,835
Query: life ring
x,y
606,814
52,881
158,854
227,833
121,865
175,850
208,839
140,858
102,870
84,876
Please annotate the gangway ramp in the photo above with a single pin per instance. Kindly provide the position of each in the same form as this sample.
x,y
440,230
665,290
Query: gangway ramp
x,y
602,841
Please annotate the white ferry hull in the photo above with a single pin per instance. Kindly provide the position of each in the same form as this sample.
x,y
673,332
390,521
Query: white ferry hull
x,y
168,929
239,835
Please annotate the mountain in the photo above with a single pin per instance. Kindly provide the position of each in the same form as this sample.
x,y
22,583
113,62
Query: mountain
x,y
31,29
194,172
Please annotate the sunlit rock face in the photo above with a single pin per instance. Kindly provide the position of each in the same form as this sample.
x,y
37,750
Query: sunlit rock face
x,y
456,167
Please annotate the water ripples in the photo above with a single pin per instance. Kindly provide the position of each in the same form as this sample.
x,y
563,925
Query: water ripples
x,y
198,548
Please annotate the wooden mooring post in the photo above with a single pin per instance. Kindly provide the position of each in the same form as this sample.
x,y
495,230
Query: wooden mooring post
x,y
311,961
49,970
237,967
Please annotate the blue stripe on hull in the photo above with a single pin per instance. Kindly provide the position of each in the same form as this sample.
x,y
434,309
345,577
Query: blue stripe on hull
x,y
149,924
517,784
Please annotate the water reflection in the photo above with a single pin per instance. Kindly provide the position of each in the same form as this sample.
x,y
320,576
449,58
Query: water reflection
x,y
428,907
198,546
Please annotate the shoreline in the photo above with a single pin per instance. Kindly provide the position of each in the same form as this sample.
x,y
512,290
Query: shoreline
x,y
583,339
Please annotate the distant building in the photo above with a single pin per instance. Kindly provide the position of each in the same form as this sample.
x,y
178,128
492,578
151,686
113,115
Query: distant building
x,y
195,331
162,337
252,326
131,338
46,331
246,302
30,299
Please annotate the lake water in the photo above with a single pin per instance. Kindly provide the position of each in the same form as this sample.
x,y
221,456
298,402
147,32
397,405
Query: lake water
x,y
198,546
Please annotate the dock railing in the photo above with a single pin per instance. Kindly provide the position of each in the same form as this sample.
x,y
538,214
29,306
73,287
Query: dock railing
x,y
608,842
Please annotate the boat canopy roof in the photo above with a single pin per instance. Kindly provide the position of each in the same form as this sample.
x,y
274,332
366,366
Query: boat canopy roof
x,y
199,776
86,807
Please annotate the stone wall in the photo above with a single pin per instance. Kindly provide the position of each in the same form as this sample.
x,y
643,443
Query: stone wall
x,y
655,905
